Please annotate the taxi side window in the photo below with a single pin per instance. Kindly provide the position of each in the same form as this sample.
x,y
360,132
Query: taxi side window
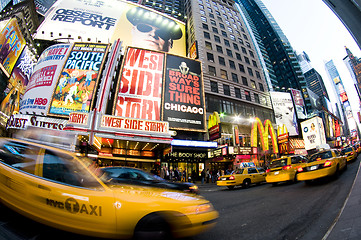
x,y
58,169
20,156
252,170
261,170
296,159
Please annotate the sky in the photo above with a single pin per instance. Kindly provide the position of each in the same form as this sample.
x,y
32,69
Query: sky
x,y
312,27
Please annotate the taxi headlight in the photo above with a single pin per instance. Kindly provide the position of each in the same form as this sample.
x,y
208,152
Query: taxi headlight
x,y
203,208
194,187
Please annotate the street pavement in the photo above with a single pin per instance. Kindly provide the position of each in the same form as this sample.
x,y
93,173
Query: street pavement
x,y
347,226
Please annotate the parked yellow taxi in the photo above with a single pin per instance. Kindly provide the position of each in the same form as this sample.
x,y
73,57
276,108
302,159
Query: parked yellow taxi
x,y
322,164
350,153
284,169
243,176
56,188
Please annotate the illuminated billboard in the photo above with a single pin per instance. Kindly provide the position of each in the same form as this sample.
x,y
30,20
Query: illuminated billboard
x,y
183,99
17,83
12,44
43,80
108,20
77,82
140,85
284,111
42,6
299,103
313,133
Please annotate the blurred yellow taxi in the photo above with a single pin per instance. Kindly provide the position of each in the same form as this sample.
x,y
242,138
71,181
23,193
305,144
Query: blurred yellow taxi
x,y
284,169
350,153
322,164
58,189
243,176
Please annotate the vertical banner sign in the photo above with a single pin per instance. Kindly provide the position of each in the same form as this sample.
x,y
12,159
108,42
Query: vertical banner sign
x,y
76,86
313,132
183,99
42,82
12,44
18,81
140,85
299,103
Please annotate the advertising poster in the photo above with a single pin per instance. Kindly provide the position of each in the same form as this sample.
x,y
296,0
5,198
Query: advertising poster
x,y
284,111
109,20
42,6
77,82
12,44
140,85
299,104
17,83
313,133
43,80
183,99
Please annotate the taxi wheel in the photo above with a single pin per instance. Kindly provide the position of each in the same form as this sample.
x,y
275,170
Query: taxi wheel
x,y
246,183
152,227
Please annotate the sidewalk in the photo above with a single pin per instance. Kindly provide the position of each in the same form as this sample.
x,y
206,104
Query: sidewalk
x,y
347,226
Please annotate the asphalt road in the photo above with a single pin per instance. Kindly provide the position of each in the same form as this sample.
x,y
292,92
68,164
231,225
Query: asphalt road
x,y
284,212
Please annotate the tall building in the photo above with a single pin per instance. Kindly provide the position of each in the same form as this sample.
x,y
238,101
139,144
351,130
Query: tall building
x,y
313,78
354,66
284,64
349,12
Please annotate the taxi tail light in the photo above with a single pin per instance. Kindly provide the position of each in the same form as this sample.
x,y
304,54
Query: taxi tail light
x,y
231,178
319,159
327,164
286,167
219,178
268,170
299,169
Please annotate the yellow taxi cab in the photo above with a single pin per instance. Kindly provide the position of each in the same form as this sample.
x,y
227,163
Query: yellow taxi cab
x,y
350,153
56,188
322,164
243,176
284,169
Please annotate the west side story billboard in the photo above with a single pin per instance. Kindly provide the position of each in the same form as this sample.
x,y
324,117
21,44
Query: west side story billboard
x,y
109,20
159,86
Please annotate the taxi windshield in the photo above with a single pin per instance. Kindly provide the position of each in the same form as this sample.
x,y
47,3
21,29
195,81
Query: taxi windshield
x,y
320,156
279,163
346,150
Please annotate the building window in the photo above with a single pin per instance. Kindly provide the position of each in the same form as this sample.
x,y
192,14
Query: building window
x,y
221,61
224,34
250,72
254,63
214,86
256,98
253,84
230,29
232,65
212,70
241,67
229,52
210,57
211,15
219,49
251,53
248,95
258,75
234,77
209,45
238,56
204,19
218,13
217,39
226,42
237,91
226,90
261,87
205,26
210,10
207,35
224,74
214,29
201,6
244,81
232,37
213,22
221,25
245,36
244,50
235,46
246,59
240,41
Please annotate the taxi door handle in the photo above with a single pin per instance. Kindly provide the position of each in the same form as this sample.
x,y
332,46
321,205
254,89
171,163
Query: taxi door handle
x,y
43,187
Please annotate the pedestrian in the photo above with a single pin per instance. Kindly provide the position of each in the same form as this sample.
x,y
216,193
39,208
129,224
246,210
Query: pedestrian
x,y
203,174
184,175
162,172
207,175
